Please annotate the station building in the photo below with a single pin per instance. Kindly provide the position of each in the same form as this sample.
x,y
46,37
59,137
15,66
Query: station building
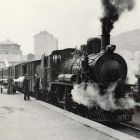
x,y
10,53
44,42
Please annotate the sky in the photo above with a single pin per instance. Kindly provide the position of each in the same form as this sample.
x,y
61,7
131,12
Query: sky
x,y
71,21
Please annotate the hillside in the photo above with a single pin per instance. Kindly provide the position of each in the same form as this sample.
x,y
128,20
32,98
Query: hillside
x,y
127,41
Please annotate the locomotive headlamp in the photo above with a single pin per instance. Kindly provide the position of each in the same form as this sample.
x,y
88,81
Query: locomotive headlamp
x,y
110,48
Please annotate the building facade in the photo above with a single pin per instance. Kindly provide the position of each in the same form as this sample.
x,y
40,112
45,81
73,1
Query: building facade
x,y
9,47
44,43
10,53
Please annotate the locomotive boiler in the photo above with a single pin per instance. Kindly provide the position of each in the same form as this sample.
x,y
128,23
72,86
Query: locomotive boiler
x,y
97,63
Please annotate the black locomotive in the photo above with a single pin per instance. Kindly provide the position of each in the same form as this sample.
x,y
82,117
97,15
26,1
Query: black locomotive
x,y
95,62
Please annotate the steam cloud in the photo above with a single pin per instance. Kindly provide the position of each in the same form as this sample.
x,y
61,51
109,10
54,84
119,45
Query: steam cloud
x,y
133,65
112,10
88,95
6,64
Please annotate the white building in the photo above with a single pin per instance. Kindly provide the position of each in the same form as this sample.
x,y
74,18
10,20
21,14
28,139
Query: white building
x,y
9,53
9,47
43,43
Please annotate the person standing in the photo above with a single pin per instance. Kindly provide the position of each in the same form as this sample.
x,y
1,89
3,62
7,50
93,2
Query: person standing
x,y
36,86
26,87
10,81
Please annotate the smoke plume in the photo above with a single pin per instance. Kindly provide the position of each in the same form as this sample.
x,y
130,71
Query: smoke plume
x,y
87,94
112,10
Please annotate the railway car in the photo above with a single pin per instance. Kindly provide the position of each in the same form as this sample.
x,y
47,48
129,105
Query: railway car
x,y
19,72
1,76
29,68
11,71
5,72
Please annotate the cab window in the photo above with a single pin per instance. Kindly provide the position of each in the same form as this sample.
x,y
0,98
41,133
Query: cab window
x,y
56,58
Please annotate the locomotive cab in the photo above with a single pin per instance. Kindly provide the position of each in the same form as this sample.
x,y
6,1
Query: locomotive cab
x,y
52,65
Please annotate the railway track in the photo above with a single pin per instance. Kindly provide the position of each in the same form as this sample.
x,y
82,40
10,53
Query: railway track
x,y
127,125
126,128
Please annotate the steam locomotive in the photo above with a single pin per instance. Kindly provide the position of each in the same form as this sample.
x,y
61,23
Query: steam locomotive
x,y
95,62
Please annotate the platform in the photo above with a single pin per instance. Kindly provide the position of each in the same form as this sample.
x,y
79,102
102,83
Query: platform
x,y
37,120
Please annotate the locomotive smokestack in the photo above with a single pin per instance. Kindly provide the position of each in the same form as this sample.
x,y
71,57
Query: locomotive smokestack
x,y
105,37
105,40
112,10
